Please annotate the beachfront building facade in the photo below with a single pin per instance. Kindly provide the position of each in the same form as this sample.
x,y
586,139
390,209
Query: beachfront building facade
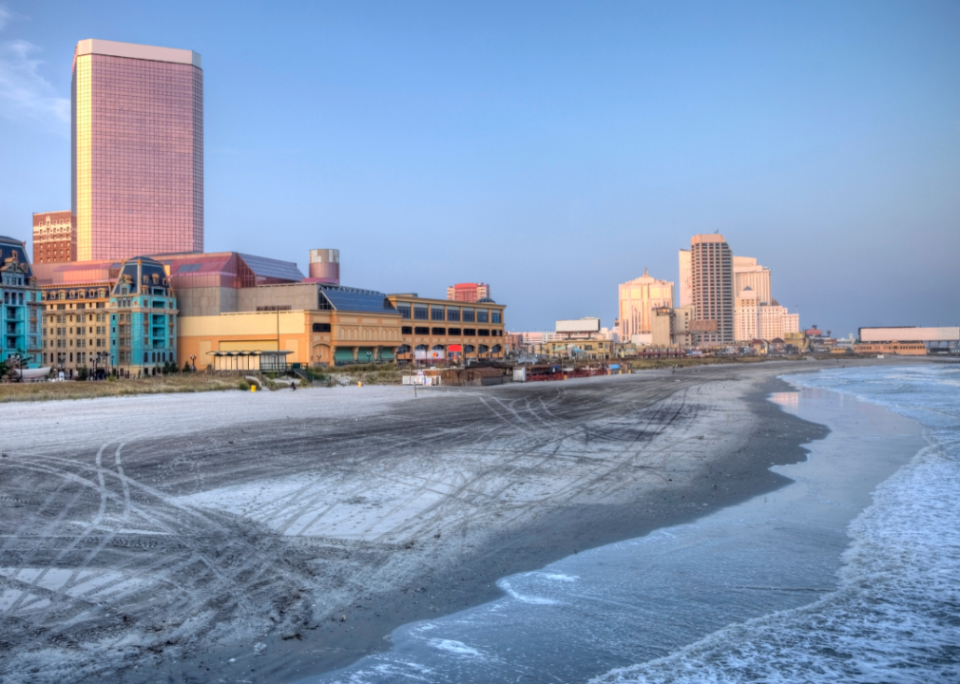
x,y
54,238
638,300
21,334
76,326
316,324
748,273
143,319
137,147
437,330
711,266
756,319
686,278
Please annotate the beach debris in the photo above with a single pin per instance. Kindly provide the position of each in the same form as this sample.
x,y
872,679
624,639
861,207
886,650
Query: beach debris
x,y
343,618
291,634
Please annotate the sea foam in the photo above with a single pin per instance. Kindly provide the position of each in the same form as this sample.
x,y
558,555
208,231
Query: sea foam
x,y
896,614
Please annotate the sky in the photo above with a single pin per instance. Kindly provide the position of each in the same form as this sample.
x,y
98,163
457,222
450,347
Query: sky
x,y
552,150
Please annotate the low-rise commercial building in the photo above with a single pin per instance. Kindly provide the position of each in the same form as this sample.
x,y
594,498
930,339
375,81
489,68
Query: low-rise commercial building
x,y
306,323
898,348
434,330
584,348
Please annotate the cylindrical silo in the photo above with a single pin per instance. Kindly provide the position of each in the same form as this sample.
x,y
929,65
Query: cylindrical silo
x,y
325,265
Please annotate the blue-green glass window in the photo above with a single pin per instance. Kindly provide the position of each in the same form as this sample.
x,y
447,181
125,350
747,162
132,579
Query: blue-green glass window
x,y
468,316
436,313
420,312
483,316
453,313
404,309
495,317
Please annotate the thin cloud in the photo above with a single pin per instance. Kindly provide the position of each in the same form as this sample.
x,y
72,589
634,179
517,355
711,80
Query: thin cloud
x,y
25,95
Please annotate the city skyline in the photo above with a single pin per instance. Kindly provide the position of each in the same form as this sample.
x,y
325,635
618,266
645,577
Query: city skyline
x,y
827,202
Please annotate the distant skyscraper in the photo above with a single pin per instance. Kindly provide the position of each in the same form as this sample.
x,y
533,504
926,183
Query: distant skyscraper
x,y
747,273
638,298
137,150
712,278
468,292
686,279
54,238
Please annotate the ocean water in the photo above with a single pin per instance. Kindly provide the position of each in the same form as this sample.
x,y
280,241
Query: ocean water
x,y
895,616
815,582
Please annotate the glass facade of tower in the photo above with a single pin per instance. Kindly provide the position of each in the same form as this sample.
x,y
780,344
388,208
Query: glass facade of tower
x,y
137,152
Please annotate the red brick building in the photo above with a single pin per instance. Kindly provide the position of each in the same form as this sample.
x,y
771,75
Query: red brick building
x,y
54,238
468,292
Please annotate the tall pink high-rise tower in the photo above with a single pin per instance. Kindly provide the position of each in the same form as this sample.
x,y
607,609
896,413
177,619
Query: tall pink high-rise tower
x,y
137,150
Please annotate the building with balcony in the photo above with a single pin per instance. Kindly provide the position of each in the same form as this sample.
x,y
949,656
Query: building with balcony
x,y
21,334
143,318
76,328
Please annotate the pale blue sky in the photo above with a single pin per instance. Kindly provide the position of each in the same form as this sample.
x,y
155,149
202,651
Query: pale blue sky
x,y
550,149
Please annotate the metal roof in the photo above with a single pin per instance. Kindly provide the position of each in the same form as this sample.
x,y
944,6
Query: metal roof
x,y
264,267
343,298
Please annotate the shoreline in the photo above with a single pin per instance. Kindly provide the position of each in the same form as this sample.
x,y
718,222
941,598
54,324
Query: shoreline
x,y
473,581
456,490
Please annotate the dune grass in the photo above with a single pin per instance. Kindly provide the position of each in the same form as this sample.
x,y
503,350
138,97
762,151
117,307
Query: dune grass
x,y
164,384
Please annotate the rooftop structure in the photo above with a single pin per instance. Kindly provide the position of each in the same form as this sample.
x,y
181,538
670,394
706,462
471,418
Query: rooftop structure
x,y
324,266
137,147
468,292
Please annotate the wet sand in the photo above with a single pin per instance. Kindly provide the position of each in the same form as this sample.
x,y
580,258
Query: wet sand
x,y
266,537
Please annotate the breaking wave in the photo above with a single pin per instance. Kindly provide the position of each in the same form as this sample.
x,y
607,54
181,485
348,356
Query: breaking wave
x,y
896,614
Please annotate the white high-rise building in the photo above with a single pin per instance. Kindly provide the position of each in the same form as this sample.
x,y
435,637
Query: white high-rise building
x,y
686,278
712,279
638,298
747,273
756,319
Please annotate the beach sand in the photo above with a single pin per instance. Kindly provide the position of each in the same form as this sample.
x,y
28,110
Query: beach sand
x,y
269,535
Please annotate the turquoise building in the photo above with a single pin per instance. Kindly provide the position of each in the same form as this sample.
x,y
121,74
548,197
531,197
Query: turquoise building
x,y
21,314
143,318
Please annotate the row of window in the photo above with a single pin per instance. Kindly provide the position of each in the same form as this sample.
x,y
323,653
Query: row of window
x,y
80,318
62,344
456,314
65,357
100,330
456,332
